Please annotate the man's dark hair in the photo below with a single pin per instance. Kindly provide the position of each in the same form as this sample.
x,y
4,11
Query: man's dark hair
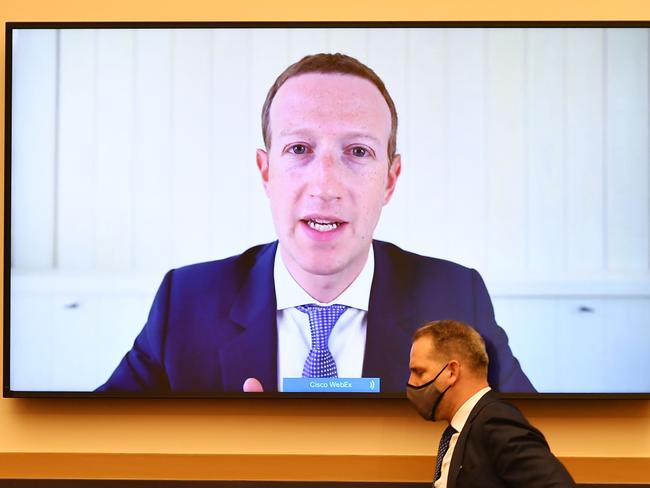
x,y
330,64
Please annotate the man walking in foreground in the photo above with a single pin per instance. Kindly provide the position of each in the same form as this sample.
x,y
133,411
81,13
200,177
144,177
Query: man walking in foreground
x,y
488,443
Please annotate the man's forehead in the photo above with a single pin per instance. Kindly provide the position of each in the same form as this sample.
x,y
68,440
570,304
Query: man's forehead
x,y
423,347
421,357
324,87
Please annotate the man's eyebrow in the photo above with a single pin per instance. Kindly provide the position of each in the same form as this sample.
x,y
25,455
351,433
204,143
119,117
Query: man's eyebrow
x,y
363,135
309,132
295,132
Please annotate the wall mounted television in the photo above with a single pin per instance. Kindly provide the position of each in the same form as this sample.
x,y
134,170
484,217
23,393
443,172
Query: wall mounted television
x,y
134,149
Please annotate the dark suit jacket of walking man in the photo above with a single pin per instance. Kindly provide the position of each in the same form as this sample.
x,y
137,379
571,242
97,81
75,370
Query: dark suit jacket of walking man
x,y
488,442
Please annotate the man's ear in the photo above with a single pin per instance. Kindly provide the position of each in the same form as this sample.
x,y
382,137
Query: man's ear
x,y
454,371
393,174
262,159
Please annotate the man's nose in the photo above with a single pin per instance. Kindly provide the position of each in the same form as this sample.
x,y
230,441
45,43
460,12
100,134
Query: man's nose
x,y
413,380
326,176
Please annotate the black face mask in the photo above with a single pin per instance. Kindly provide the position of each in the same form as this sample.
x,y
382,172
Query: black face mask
x,y
425,398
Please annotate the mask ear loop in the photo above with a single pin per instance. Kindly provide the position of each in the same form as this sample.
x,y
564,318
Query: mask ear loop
x,y
428,382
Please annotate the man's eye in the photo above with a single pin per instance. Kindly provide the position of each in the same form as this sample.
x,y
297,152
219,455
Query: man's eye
x,y
298,149
359,152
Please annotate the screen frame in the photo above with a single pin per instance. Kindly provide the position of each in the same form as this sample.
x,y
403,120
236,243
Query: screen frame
x,y
11,26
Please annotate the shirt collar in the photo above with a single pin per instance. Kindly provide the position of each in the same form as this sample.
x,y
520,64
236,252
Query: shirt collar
x,y
289,294
460,419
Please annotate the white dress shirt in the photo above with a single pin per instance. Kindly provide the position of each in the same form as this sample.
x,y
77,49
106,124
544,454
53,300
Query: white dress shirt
x,y
458,422
348,338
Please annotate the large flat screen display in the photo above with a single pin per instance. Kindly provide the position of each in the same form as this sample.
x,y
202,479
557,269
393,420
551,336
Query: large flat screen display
x,y
189,212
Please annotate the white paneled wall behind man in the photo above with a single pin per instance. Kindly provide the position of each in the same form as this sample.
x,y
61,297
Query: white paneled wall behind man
x,y
525,155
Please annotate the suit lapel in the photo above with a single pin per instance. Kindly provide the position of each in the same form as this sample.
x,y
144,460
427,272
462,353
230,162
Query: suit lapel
x,y
252,353
388,336
456,463
457,457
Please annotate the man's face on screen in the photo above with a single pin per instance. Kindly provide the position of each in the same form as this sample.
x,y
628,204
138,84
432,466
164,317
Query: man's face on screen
x,y
327,171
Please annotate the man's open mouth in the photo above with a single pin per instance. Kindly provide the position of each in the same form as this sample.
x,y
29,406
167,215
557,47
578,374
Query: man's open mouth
x,y
323,225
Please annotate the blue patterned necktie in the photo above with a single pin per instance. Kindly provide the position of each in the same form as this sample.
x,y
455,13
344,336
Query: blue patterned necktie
x,y
320,362
442,449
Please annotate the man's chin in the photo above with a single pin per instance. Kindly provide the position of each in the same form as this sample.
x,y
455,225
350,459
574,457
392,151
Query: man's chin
x,y
322,269
322,261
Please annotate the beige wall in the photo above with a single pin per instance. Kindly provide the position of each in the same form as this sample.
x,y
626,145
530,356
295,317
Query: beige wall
x,y
600,441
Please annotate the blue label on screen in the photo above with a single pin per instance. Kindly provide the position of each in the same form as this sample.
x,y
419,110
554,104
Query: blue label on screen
x,y
331,385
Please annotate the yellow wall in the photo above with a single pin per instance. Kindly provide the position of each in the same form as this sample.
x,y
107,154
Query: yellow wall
x,y
600,441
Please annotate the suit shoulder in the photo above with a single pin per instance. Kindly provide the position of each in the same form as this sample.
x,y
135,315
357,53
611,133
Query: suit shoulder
x,y
418,262
495,408
229,272
498,420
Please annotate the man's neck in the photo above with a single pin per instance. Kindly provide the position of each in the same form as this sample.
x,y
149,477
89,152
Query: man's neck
x,y
324,288
465,393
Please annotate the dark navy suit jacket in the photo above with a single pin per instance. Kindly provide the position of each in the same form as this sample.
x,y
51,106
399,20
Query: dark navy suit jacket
x,y
498,448
213,325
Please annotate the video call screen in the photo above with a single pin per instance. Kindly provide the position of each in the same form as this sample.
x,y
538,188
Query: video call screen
x,y
141,249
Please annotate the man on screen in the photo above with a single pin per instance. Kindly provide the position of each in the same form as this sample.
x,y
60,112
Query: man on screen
x,y
325,300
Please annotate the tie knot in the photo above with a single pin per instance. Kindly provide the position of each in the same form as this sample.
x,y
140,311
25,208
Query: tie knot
x,y
449,431
322,321
331,312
